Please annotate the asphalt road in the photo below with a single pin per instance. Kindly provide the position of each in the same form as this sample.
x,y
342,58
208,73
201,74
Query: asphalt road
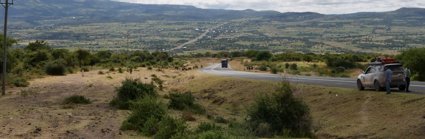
x,y
416,87
197,38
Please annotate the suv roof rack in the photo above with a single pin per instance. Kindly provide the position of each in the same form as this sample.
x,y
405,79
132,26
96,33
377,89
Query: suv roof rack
x,y
384,60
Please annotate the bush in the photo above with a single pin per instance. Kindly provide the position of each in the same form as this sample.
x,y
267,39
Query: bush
x,y
263,56
171,128
76,99
55,68
262,68
274,70
203,127
293,66
184,101
120,70
145,117
20,82
84,69
100,72
280,113
157,81
414,59
132,90
213,134
220,119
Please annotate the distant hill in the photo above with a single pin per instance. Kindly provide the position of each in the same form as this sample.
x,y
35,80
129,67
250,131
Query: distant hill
x,y
34,12
65,23
64,11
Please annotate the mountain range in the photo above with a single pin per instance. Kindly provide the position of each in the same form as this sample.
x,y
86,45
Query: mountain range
x,y
40,12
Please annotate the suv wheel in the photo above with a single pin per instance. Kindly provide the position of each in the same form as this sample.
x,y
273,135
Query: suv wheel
x,y
360,85
377,86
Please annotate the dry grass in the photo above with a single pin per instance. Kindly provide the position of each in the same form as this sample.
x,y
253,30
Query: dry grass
x,y
349,113
336,112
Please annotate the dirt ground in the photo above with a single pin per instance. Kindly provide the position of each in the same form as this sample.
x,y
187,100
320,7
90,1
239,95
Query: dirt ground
x,y
37,111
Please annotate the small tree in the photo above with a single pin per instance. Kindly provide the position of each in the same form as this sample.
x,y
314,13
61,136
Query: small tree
x,y
415,59
294,66
38,45
83,57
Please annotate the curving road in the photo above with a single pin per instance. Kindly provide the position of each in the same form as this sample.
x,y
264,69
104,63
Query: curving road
x,y
416,87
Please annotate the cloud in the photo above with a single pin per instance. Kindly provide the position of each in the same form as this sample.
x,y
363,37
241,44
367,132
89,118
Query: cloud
x,y
321,6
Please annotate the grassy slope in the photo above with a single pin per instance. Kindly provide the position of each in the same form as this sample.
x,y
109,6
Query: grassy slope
x,y
336,112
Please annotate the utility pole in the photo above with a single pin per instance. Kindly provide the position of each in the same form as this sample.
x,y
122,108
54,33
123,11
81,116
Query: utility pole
x,y
6,5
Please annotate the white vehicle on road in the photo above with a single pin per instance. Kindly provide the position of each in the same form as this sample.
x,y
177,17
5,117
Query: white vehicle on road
x,y
374,76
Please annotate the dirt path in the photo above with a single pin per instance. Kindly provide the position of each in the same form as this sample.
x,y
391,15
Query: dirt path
x,y
364,114
37,112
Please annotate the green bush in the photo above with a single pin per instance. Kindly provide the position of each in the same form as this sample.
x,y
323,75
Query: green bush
x,y
132,89
274,70
280,113
213,134
184,101
76,99
55,68
170,128
293,66
203,127
20,82
415,59
145,117
262,68
120,70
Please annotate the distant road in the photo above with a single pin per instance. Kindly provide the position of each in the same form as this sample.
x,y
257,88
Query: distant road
x,y
197,38
416,87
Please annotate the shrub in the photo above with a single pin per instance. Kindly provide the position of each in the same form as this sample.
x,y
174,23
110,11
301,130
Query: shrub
x,y
262,68
100,72
294,66
274,70
158,82
55,68
76,99
263,55
145,117
213,134
171,128
414,59
184,101
20,82
282,113
84,69
203,127
220,119
120,70
188,116
132,89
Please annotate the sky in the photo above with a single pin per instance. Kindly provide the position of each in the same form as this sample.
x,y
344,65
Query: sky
x,y
320,6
